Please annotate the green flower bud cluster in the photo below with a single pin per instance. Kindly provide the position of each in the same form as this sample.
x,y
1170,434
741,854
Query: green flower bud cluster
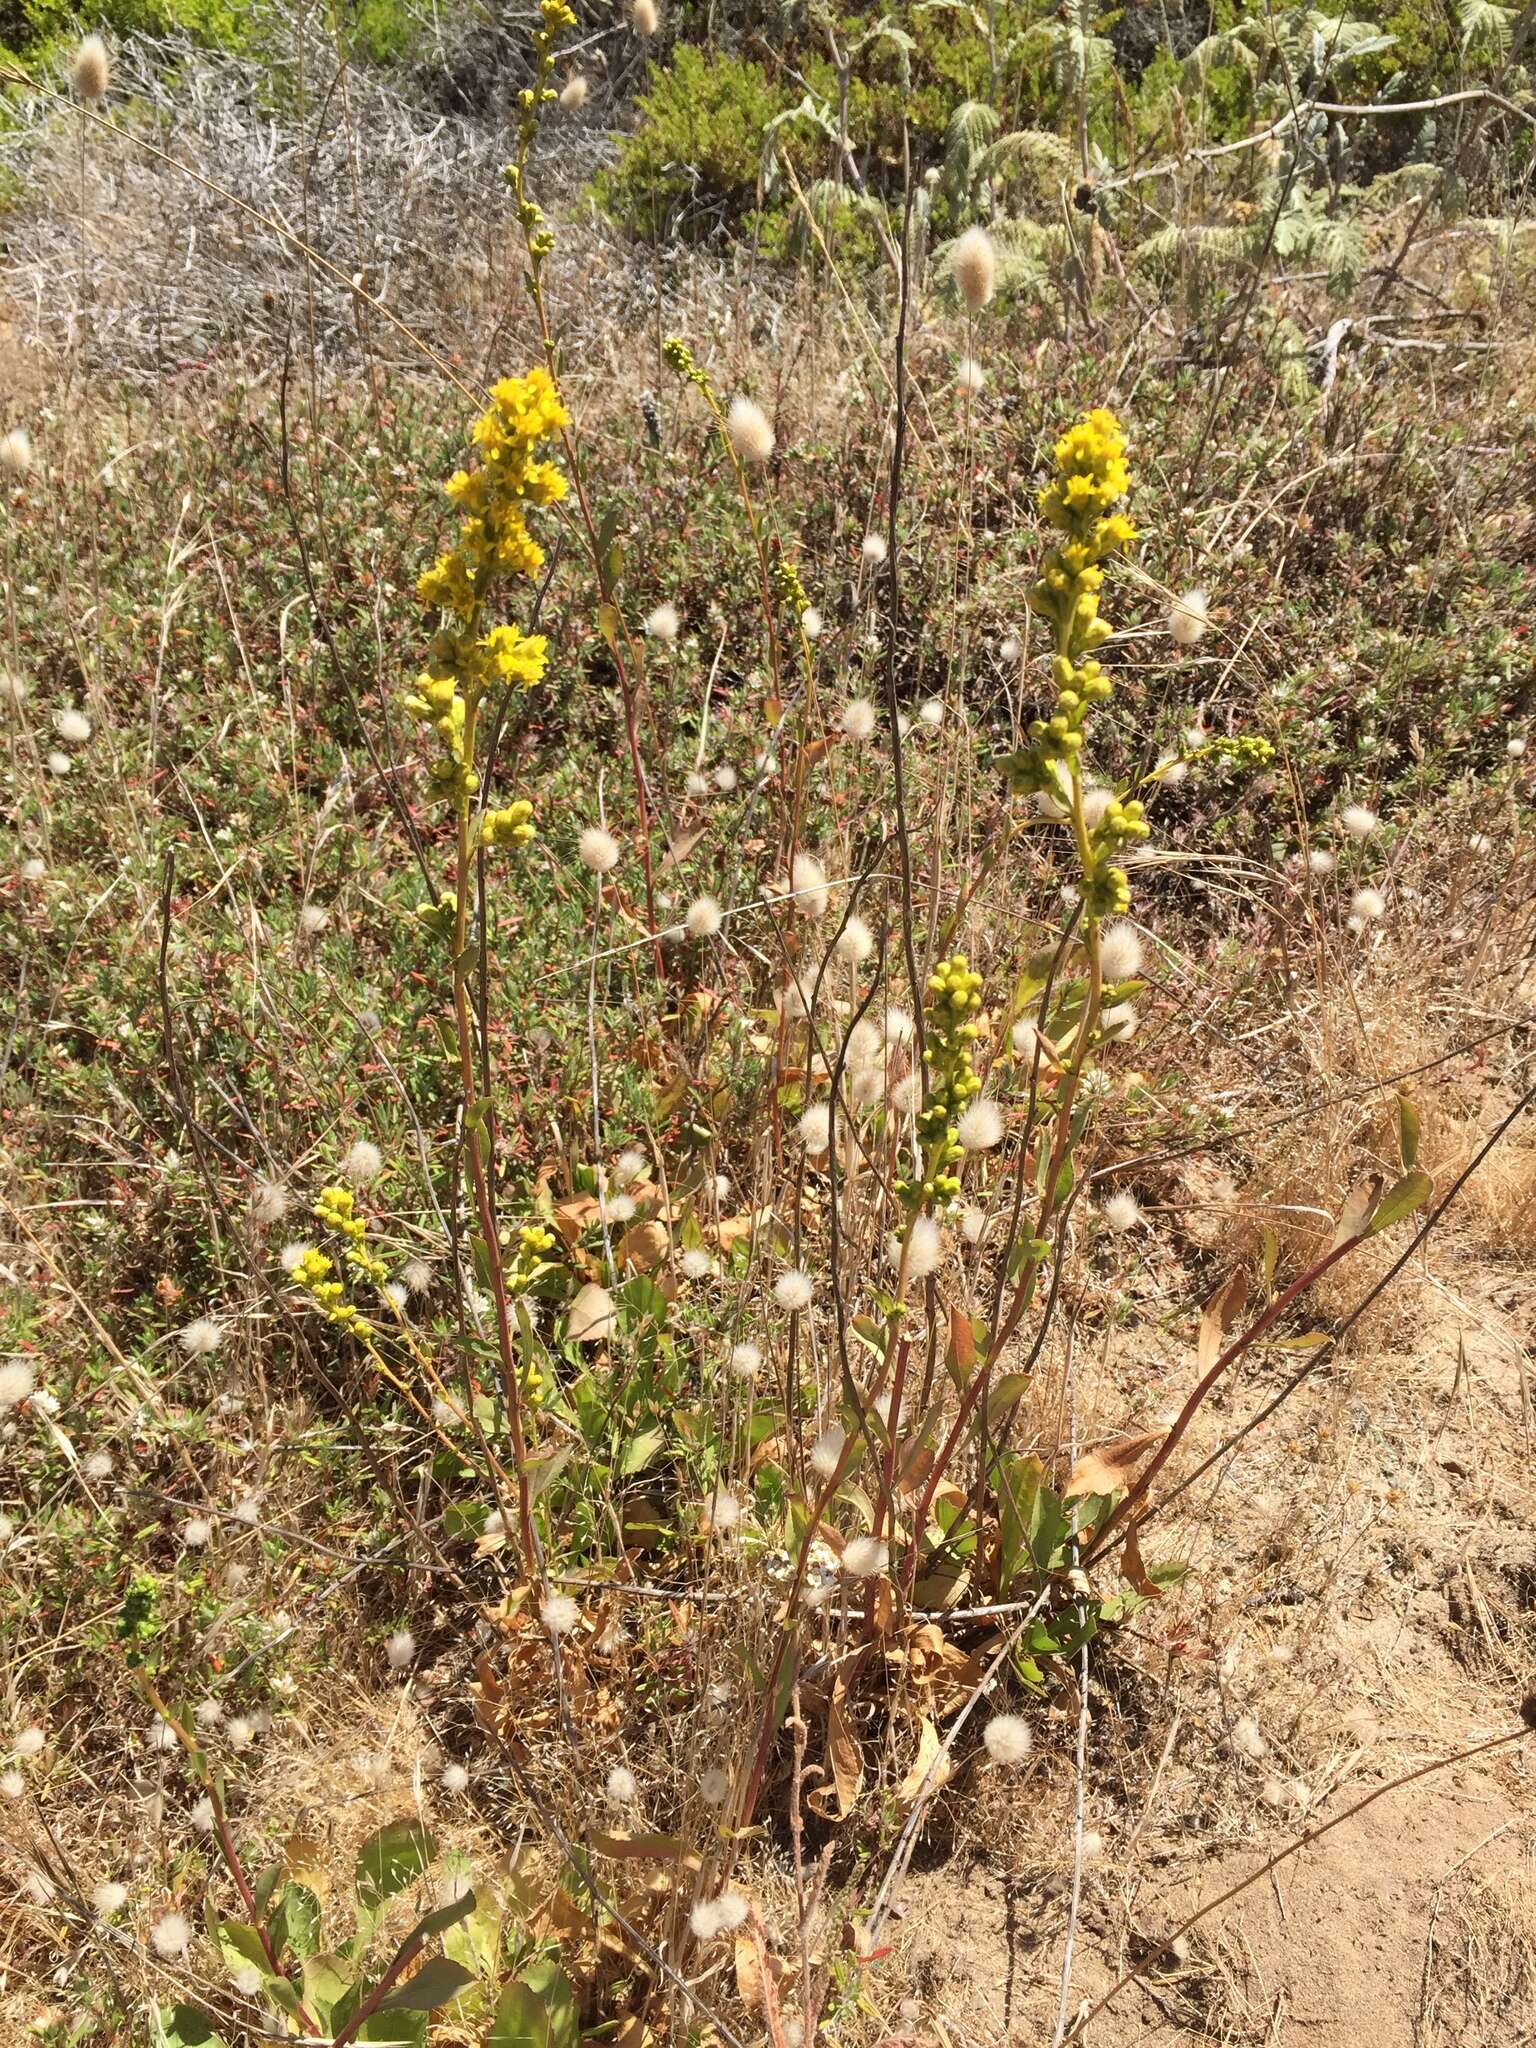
x,y
1234,750
786,581
679,358
950,1010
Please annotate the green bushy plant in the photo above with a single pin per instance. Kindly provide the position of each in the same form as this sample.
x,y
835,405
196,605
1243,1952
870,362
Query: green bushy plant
x,y
693,161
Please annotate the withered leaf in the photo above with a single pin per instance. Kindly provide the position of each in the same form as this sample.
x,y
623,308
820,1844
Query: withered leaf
x,y
1111,1469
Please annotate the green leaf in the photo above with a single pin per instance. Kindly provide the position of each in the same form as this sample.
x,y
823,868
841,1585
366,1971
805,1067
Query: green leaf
x,y
434,1984
643,1449
538,2011
295,1926
183,2026
240,1946
327,1981
1407,1133
391,1858
267,1881
1012,1387
1410,1193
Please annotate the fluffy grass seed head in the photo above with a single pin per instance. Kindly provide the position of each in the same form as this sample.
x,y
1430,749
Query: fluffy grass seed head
x,y
664,623
980,1126
1515,748
697,1264
1189,618
1368,905
1321,862
200,1339
858,717
970,377
1007,1739
573,94
747,426
1120,951
644,15
827,1451
812,624
873,548
29,1742
975,265
455,1779
746,1361
704,918
171,1935
400,1650
108,1899
16,451
793,1291
560,1614
865,1557
854,943
16,1384
417,1275
808,881
599,850
722,1512
815,1128
714,1785
12,1785
58,764
619,1787
925,1248
1357,821
363,1162
1121,1212
72,726
90,69
269,1202
195,1533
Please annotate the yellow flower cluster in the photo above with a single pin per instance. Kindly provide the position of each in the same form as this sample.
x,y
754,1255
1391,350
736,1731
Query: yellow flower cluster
x,y
512,826
494,544
494,540
337,1210
1091,478
313,1274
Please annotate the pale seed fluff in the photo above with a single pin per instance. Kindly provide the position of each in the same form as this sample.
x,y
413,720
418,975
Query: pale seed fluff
x,y
1188,618
932,713
973,1222
663,623
573,93
827,1452
1479,843
854,943
907,1095
925,1248
12,1785
746,1361
560,1614
1024,1039
16,1385
697,783
171,1935
396,1293
248,1980
72,726
1121,1212
1247,1738
1515,748
269,1202
1120,952
291,1256
16,451
29,1742
599,850
109,1898
899,1028
364,1162
705,1921
1367,904
208,1713
455,1779
793,1290
200,1338
873,548
815,1128
1096,802
619,1787
1119,1020
313,919
865,1557
417,1275
628,1167
13,689
619,1208
1010,648
202,1817
644,16
975,264
98,1465
980,1126
970,376
750,434
696,1263
725,778
400,1650
58,764
808,880
858,718
704,917
1007,1739
195,1532
1321,862
811,623
1357,821
89,68
714,1786
731,1909
722,1512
